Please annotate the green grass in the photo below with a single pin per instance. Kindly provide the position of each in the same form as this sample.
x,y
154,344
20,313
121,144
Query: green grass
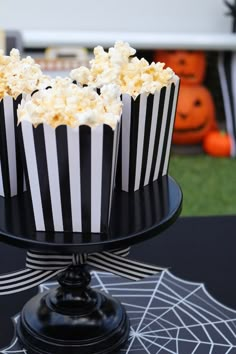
x,y
208,184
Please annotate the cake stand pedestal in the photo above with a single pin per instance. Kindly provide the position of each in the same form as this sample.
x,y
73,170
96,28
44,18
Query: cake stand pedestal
x,y
74,318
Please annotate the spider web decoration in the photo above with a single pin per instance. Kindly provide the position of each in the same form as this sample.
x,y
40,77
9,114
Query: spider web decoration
x,y
168,316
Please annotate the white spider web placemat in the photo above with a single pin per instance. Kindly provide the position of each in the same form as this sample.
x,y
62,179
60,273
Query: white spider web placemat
x,y
168,316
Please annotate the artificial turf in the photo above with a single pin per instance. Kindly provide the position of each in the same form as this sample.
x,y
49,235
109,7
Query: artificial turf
x,y
208,184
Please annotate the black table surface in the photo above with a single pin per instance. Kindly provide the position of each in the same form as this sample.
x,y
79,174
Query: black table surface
x,y
199,249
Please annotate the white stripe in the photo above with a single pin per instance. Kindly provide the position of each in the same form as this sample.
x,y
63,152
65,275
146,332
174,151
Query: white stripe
x,y
24,95
27,133
14,274
47,275
125,133
123,255
116,145
114,271
130,262
123,264
53,176
162,134
233,85
11,142
75,182
31,255
114,165
140,141
123,270
96,177
227,106
31,262
174,106
1,181
120,251
17,278
48,268
36,274
156,101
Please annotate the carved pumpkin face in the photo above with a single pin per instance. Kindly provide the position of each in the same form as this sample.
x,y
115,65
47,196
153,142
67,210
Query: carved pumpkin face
x,y
189,65
195,115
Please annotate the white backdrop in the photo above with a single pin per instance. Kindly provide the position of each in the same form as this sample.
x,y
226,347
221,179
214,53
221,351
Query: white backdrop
x,y
158,16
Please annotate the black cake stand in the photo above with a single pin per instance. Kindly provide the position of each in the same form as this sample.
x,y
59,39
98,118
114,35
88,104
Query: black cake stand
x,y
74,318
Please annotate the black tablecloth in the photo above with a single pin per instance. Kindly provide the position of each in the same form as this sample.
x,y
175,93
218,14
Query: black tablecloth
x,y
200,249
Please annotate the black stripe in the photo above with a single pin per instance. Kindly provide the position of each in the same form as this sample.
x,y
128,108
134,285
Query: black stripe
x,y
48,267
64,176
133,140
27,211
128,262
118,178
137,211
41,258
228,62
41,159
12,276
19,167
147,130
36,253
167,129
124,269
85,174
114,168
47,258
3,153
163,186
158,131
30,282
117,136
173,124
156,206
108,139
147,202
45,262
48,262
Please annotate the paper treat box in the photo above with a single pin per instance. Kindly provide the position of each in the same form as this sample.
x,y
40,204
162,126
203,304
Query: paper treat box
x,y
11,171
70,175
145,137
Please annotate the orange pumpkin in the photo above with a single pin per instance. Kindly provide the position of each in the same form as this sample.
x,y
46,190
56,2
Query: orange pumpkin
x,y
195,115
189,65
217,144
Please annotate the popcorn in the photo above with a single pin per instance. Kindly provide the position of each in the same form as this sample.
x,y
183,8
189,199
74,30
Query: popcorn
x,y
19,76
67,104
133,75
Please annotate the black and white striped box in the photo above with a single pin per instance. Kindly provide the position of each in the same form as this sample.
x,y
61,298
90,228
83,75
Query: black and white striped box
x,y
11,170
145,140
70,173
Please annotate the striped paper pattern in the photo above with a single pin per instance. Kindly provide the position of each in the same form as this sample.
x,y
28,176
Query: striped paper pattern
x,y
227,74
70,173
11,170
145,139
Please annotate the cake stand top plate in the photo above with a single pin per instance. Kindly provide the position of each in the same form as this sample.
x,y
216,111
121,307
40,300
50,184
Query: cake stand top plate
x,y
135,217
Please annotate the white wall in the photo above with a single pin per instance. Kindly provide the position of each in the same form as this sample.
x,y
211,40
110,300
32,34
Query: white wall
x,y
202,16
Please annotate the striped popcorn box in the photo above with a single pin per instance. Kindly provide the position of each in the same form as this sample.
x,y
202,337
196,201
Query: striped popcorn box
x,y
11,170
145,137
70,173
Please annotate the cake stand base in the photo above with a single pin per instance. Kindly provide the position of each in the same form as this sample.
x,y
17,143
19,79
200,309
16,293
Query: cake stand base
x,y
73,318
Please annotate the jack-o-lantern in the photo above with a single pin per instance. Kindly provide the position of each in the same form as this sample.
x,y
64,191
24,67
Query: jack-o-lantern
x,y
195,115
189,65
